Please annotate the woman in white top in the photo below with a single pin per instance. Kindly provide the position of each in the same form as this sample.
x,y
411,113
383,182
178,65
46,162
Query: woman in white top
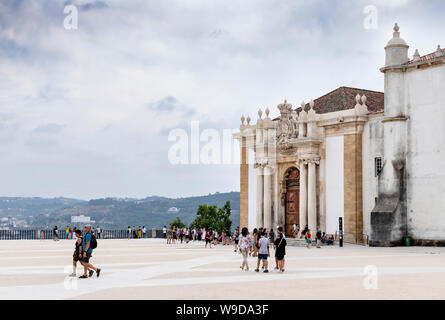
x,y
245,244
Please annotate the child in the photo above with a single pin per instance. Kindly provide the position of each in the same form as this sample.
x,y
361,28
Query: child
x,y
263,253
308,239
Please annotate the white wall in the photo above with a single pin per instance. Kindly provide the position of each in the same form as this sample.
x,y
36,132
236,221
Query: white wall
x,y
425,105
252,203
372,147
334,182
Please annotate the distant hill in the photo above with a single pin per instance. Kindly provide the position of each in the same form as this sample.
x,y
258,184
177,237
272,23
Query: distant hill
x,y
113,213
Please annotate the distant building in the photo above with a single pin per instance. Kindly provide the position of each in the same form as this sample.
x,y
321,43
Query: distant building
x,y
81,219
173,210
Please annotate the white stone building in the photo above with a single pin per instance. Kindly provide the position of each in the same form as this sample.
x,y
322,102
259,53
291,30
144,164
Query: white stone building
x,y
375,159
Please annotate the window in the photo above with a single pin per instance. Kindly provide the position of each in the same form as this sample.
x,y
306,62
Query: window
x,y
378,165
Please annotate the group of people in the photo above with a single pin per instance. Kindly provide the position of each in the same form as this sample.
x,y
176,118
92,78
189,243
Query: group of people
x,y
320,237
209,236
139,233
70,233
258,245
83,250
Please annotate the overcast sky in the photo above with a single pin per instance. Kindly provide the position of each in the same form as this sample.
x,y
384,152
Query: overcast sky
x,y
86,112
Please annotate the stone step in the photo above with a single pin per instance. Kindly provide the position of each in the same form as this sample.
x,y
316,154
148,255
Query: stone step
x,y
297,242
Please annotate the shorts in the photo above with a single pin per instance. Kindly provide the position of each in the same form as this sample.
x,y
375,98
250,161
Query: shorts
x,y
279,257
208,240
262,256
76,256
236,241
87,258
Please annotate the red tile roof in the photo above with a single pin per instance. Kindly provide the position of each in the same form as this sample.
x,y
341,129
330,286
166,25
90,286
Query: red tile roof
x,y
343,98
427,57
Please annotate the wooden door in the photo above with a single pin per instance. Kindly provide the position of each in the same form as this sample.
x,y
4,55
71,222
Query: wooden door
x,y
292,200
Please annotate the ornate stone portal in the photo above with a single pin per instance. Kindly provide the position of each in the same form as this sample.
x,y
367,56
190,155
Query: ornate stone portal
x,y
287,166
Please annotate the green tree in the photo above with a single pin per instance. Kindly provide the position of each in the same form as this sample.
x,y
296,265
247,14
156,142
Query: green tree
x,y
212,217
177,223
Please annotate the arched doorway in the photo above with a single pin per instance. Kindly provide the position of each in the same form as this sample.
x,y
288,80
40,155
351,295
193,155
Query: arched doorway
x,y
292,215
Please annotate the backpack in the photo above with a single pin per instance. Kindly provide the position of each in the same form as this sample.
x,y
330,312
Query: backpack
x,y
93,244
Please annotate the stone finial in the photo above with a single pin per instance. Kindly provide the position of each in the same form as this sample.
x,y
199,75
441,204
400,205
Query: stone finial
x,y
267,112
360,108
396,27
242,119
311,104
303,105
260,113
416,56
248,120
438,52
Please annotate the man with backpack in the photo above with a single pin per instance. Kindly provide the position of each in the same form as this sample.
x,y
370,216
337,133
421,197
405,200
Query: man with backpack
x,y
88,244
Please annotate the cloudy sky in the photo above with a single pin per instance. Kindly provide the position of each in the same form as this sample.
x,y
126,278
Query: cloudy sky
x,y
86,112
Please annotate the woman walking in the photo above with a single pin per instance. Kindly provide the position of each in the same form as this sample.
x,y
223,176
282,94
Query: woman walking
x,y
280,249
245,244
255,242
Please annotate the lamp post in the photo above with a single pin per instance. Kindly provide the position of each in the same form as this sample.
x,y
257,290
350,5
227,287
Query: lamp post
x,y
340,231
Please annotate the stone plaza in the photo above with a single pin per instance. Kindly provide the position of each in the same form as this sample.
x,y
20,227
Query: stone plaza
x,y
151,269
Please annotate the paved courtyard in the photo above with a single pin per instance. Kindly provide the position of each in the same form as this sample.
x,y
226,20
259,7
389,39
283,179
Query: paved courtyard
x,y
150,269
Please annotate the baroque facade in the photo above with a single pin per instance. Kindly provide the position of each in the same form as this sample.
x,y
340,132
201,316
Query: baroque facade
x,y
375,159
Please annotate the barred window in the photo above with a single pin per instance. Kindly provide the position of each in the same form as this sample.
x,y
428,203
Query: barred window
x,y
378,165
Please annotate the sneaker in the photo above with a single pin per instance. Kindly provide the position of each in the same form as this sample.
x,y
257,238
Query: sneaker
x,y
83,277
90,273
257,270
72,275
266,271
98,272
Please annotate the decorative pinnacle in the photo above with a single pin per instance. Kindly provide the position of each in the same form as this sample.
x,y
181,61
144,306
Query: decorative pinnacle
x,y
248,120
416,55
303,104
357,98
396,29
268,111
260,113
242,119
311,104
364,99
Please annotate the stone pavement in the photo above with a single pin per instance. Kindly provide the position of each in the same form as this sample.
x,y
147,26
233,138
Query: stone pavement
x,y
151,269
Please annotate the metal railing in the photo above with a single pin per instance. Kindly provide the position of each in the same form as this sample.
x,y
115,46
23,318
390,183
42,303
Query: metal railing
x,y
38,234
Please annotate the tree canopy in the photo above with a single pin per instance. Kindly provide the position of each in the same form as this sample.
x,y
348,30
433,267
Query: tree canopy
x,y
177,223
213,217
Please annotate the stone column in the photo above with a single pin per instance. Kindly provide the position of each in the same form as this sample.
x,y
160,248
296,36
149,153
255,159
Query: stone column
x,y
312,197
260,193
267,221
303,195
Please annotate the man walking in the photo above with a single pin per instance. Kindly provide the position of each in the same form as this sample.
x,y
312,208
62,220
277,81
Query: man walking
x,y
86,254
164,232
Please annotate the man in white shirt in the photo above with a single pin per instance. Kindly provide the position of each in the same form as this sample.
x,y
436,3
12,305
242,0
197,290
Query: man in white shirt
x,y
164,231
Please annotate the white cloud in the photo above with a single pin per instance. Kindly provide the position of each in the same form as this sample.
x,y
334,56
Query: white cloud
x,y
216,59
